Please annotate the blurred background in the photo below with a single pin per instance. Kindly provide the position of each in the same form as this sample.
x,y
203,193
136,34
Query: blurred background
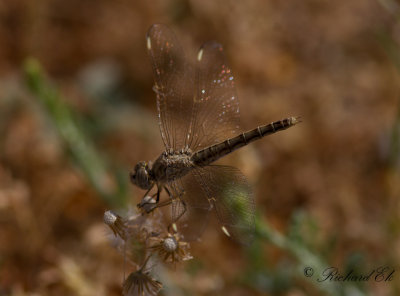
x,y
77,111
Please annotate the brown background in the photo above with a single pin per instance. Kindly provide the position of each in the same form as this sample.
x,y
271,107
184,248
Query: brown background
x,y
332,62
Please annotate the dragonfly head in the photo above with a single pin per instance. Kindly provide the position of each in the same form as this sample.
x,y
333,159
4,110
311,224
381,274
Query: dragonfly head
x,y
140,175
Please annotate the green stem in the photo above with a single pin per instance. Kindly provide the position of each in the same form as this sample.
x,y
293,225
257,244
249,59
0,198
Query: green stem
x,y
82,150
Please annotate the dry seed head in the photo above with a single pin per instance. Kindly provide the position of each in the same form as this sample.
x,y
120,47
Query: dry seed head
x,y
170,244
140,283
116,223
109,218
171,249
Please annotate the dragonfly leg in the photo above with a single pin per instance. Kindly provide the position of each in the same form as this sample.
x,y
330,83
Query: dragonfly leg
x,y
164,203
158,194
149,204
169,193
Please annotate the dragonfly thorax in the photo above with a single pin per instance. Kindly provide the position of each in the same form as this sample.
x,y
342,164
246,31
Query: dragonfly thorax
x,y
172,164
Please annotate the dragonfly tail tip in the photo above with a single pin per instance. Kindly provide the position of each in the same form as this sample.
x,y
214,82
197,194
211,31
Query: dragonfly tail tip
x,y
295,120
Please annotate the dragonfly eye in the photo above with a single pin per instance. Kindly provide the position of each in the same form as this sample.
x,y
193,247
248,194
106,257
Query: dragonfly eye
x,y
140,175
132,176
140,165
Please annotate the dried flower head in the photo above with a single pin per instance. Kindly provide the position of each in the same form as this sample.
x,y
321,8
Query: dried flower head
x,y
141,283
116,223
171,248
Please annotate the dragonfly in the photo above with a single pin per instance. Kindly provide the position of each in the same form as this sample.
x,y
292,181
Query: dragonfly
x,y
198,117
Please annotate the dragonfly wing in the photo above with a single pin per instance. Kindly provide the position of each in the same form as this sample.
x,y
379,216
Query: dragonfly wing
x,y
227,188
190,206
215,115
174,84
197,102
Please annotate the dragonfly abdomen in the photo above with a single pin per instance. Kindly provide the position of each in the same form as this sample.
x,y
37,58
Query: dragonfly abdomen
x,y
214,152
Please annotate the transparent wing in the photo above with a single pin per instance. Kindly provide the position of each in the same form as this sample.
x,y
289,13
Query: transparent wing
x,y
196,108
204,189
215,115
174,84
228,190
190,207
